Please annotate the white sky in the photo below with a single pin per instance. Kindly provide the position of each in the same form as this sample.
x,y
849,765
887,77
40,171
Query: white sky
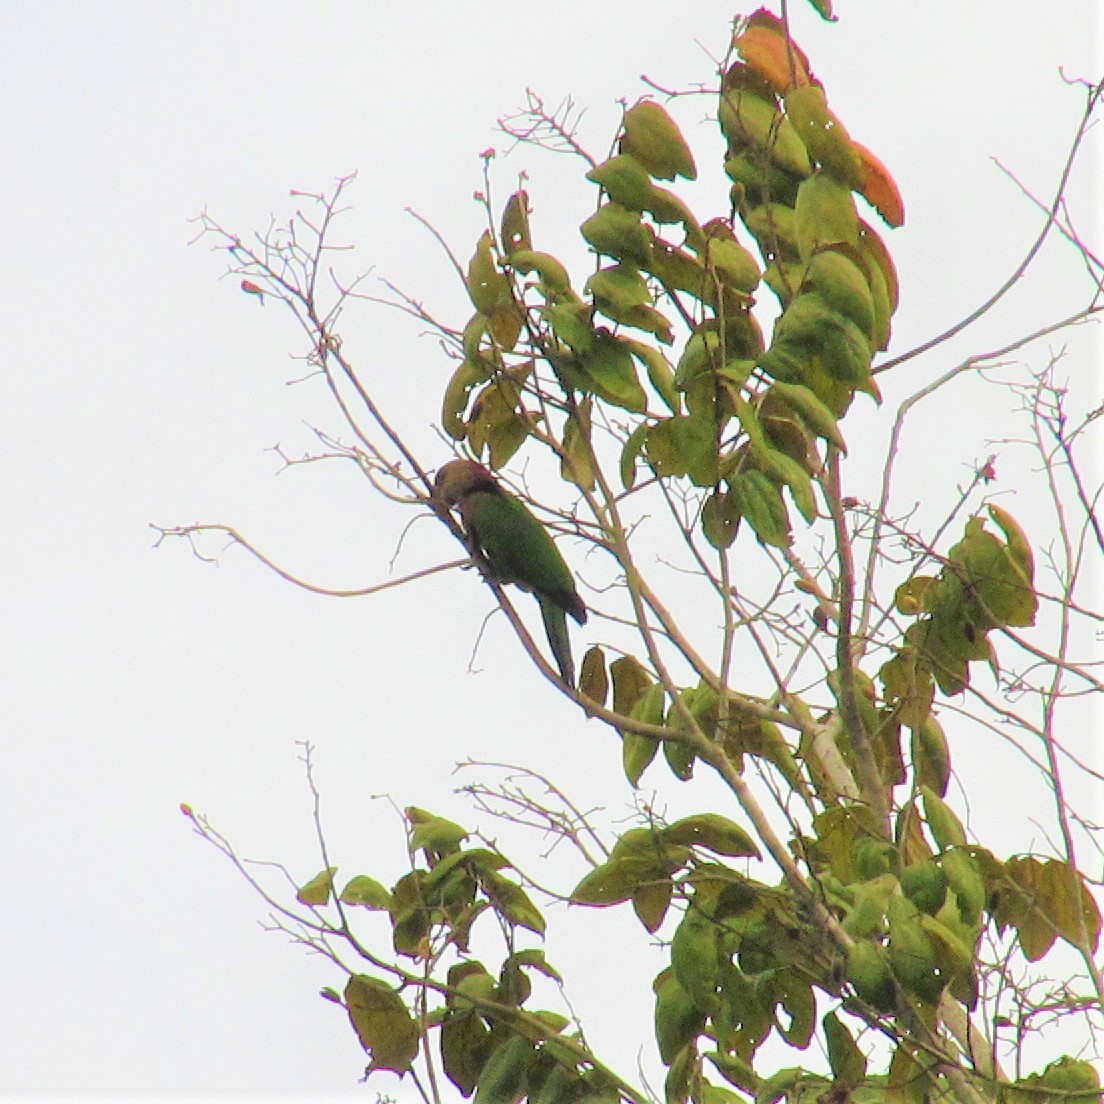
x,y
139,388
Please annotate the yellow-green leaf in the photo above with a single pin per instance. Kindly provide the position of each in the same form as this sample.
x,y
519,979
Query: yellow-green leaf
x,y
653,138
382,1023
319,889
367,892
824,135
720,520
593,680
695,960
577,457
842,284
553,276
713,832
848,1063
677,1019
432,832
660,374
824,215
747,117
608,366
945,827
515,224
487,285
618,232
505,1076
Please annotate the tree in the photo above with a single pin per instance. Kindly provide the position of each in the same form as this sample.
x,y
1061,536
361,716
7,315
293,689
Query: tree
x,y
833,930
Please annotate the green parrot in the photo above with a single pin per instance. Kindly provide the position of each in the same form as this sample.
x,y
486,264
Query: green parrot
x,y
517,548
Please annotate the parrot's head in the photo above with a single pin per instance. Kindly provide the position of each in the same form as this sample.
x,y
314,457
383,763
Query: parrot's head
x,y
459,478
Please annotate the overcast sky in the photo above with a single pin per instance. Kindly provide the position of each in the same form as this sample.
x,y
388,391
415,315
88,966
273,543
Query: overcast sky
x,y
140,387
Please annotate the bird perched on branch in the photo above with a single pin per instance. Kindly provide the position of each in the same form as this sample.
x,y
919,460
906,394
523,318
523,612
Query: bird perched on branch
x,y
517,548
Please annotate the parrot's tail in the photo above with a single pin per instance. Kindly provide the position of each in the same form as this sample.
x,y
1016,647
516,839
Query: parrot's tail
x,y
555,626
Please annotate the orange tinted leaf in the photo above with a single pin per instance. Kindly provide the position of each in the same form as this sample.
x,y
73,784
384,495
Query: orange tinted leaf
x,y
765,47
879,188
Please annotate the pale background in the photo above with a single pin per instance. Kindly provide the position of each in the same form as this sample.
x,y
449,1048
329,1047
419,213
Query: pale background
x,y
140,388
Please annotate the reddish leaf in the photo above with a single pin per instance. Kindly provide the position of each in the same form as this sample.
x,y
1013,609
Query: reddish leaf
x,y
879,188
765,46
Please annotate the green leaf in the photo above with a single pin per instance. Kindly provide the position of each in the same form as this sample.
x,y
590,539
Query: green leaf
x,y
465,1046
778,1085
824,215
795,994
618,232
571,323
512,903
608,366
1065,1081
680,758
720,520
945,827
847,1061
487,285
747,117
925,885
774,226
638,751
318,890
473,984
554,279
824,135
660,374
868,970
630,681
615,881
930,755
434,833
577,457
726,260
653,138
382,1023
908,1081
760,501
618,289
634,447
535,959
593,680
677,1020
713,832
734,1070
625,181
515,224
814,413
963,873
843,285
694,959
504,1079
457,393
650,901
702,353
367,892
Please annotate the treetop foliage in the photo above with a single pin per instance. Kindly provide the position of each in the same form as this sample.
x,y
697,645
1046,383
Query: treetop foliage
x,y
700,377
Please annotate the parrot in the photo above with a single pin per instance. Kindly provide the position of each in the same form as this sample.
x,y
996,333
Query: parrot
x,y
517,548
